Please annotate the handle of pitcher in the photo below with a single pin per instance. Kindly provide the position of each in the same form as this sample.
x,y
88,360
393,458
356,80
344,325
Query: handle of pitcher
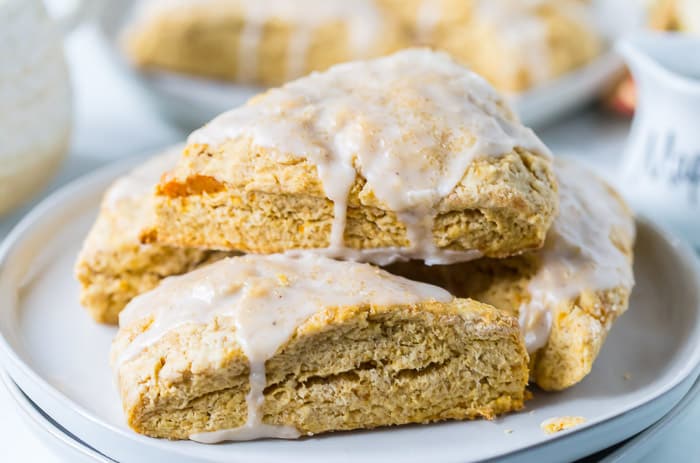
x,y
81,11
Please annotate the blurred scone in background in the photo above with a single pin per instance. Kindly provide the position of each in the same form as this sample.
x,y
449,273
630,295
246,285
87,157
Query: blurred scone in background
x,y
270,42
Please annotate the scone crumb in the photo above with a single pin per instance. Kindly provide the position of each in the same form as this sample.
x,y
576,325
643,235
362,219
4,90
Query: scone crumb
x,y
561,423
508,431
627,376
282,278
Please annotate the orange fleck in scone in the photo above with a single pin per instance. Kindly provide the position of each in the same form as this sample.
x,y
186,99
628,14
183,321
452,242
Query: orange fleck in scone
x,y
408,156
514,44
264,42
566,295
281,346
113,265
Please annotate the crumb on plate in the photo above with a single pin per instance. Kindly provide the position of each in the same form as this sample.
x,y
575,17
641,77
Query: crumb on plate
x,y
560,423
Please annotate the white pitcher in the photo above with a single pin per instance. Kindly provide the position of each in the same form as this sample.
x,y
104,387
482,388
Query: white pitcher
x,y
35,97
661,166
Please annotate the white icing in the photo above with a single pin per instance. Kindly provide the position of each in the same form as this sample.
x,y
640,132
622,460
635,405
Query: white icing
x,y
410,124
139,183
578,253
363,19
248,48
428,16
267,297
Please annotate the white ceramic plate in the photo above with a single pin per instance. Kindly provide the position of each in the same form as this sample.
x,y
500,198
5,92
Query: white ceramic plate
x,y
640,445
58,356
59,440
190,102
68,446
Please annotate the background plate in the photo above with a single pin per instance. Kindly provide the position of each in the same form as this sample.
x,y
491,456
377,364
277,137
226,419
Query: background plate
x,y
58,357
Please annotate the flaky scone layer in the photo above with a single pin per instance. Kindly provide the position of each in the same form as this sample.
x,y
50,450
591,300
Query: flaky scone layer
x,y
345,368
503,206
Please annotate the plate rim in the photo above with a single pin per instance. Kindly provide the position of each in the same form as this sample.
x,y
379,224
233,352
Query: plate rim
x,y
689,369
33,413
639,442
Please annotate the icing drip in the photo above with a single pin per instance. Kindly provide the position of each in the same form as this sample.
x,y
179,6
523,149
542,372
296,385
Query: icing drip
x,y
578,253
523,32
361,17
248,48
411,127
299,44
429,15
267,297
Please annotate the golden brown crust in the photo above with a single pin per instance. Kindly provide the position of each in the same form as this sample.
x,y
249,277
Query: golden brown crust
x,y
344,368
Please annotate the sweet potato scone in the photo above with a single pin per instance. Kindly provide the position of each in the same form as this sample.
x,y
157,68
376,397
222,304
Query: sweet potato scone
x,y
252,41
113,265
410,155
282,346
568,294
514,44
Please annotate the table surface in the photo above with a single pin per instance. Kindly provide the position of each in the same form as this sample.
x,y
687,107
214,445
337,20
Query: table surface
x,y
113,119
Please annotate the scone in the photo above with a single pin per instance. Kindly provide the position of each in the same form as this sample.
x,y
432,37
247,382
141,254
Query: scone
x,y
281,346
566,295
514,44
262,42
408,156
113,265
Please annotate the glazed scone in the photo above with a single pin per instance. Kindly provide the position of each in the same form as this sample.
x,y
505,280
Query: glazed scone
x,y
113,265
408,156
529,42
281,346
261,42
568,294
